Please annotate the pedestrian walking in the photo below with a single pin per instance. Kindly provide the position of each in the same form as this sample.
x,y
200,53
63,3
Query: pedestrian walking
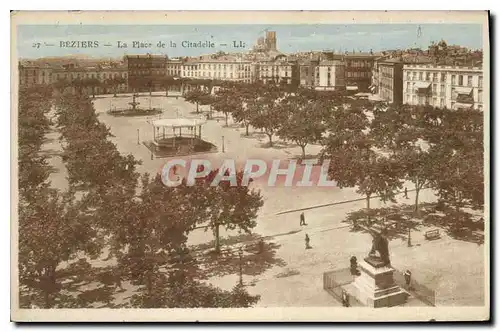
x,y
407,276
406,193
354,265
302,219
307,242
345,298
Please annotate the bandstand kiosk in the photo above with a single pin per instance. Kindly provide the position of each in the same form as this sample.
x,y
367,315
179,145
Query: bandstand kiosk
x,y
172,133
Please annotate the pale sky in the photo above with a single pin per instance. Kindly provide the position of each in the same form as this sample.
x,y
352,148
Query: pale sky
x,y
290,38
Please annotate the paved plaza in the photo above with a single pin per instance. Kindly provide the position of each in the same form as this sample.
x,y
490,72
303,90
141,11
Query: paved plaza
x,y
453,268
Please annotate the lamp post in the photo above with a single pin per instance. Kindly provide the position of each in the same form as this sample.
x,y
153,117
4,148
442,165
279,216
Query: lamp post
x,y
223,144
138,137
409,234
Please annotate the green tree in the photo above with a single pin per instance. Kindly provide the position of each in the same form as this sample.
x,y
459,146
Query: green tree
x,y
267,111
194,96
167,82
302,124
232,205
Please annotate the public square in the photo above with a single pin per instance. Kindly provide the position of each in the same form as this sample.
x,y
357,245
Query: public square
x,y
291,275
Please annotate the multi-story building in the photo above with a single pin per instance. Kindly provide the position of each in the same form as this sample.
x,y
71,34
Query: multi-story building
x,y
146,72
306,72
189,69
390,77
173,67
390,81
443,86
225,69
329,75
358,70
375,73
100,79
278,71
32,74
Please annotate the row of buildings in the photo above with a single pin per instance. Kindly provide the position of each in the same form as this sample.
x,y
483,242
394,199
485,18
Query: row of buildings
x,y
410,77
453,87
103,78
145,72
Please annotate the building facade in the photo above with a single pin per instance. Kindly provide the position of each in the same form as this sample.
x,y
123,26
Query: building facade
x,y
278,71
329,75
306,73
390,76
390,81
358,70
443,86
94,80
173,67
31,74
146,72
225,69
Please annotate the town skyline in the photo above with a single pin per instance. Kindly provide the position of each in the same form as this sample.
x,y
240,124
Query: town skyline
x,y
290,38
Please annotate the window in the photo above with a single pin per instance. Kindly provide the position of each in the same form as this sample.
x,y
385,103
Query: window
x,y
460,80
434,102
420,76
434,77
441,103
469,80
427,76
407,86
442,90
480,81
434,89
443,77
414,76
480,96
453,80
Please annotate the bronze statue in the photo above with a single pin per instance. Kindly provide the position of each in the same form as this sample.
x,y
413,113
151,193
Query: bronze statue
x,y
380,245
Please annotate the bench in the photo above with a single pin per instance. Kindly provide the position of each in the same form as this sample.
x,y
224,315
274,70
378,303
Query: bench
x,y
432,234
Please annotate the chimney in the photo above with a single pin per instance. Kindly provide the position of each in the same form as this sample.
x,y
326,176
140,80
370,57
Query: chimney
x,y
371,51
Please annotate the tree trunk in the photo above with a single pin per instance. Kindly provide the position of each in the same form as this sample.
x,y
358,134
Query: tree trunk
x,y
149,285
226,114
246,127
217,240
368,201
197,108
303,147
417,191
49,286
270,139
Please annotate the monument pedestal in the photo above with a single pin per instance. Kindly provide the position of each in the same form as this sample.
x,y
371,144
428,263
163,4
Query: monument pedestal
x,y
375,286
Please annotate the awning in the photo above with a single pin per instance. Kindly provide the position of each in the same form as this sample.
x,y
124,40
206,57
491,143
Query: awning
x,y
463,90
462,105
351,88
422,85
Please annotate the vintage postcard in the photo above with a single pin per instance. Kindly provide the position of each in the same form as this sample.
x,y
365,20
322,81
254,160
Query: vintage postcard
x,y
258,166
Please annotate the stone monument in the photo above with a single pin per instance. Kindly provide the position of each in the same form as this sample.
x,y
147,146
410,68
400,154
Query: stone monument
x,y
375,286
